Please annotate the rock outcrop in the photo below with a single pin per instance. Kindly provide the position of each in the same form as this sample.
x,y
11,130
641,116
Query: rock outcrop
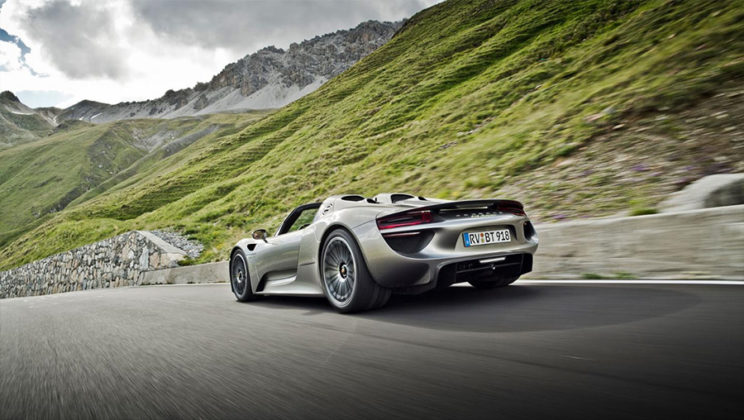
x,y
710,191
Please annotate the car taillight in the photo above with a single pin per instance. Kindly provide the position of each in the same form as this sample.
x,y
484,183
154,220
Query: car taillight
x,y
410,218
516,210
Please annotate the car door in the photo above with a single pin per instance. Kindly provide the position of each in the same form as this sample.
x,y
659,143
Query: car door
x,y
278,261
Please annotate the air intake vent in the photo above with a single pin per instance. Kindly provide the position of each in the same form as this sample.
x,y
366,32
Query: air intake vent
x,y
529,230
400,197
352,198
409,242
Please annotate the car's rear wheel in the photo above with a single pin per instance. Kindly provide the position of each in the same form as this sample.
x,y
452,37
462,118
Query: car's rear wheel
x,y
239,278
493,284
346,280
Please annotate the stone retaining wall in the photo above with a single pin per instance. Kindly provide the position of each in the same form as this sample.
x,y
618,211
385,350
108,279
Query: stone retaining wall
x,y
118,261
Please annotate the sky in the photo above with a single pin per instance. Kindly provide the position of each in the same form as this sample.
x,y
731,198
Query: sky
x,y
58,52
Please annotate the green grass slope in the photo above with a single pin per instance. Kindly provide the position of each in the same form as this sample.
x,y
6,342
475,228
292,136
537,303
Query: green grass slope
x,y
578,108
81,160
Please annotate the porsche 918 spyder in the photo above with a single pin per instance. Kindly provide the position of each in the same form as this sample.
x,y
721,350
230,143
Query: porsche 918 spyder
x,y
357,251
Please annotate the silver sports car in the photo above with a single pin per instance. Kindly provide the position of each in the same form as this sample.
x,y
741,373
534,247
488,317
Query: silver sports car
x,y
356,251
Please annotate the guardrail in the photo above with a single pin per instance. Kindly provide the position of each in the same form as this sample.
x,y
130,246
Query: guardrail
x,y
215,272
706,243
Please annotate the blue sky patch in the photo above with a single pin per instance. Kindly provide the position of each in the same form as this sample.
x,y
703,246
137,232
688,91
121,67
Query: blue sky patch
x,y
6,37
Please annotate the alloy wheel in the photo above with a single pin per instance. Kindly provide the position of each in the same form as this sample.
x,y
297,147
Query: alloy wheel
x,y
339,270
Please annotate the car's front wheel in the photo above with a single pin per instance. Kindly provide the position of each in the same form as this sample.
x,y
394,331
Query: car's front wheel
x,y
239,279
346,281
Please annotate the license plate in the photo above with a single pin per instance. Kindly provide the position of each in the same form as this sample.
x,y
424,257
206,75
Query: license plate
x,y
486,238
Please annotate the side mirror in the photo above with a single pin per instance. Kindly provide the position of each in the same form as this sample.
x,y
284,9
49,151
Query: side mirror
x,y
260,234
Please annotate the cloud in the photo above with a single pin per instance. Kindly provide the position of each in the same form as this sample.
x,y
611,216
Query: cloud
x,y
12,52
6,37
248,25
121,50
10,57
81,40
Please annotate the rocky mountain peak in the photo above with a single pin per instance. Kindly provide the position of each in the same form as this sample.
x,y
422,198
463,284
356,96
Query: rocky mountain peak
x,y
9,96
268,78
304,63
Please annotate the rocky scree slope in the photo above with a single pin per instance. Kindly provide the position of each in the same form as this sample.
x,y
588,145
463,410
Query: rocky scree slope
x,y
578,108
268,78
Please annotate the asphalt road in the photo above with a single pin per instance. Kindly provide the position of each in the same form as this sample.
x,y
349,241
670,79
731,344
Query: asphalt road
x,y
532,350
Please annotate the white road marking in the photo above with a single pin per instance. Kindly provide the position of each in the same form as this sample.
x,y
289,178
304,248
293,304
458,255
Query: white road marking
x,y
576,357
660,282
221,283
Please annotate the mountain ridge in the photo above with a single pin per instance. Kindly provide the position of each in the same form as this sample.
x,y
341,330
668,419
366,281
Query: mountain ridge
x,y
268,78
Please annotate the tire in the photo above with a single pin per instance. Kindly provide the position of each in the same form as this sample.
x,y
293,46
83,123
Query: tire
x,y
240,280
345,279
493,284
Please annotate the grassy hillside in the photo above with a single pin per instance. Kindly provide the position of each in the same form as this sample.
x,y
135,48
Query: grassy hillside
x,y
578,108
81,160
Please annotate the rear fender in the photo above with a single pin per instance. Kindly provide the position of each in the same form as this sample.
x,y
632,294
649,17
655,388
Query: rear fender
x,y
311,245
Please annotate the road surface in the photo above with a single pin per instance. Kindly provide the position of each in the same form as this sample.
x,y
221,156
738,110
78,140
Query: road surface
x,y
532,350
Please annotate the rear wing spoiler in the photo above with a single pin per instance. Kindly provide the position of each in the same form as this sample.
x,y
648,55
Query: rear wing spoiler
x,y
441,211
491,204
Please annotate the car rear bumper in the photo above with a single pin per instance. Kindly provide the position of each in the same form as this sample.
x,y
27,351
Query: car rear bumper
x,y
443,258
